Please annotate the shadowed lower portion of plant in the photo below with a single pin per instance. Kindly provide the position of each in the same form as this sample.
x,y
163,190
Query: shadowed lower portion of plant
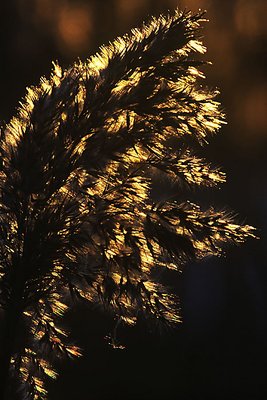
x,y
77,216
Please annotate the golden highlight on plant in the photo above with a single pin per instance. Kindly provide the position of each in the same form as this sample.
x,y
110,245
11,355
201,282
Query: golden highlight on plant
x,y
78,217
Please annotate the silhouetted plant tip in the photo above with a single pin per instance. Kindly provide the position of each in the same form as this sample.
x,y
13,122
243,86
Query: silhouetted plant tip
x,y
77,217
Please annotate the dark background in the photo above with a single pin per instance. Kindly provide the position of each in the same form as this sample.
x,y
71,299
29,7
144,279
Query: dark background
x,y
220,350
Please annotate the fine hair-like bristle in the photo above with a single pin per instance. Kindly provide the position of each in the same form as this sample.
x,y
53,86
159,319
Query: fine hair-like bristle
x,y
77,217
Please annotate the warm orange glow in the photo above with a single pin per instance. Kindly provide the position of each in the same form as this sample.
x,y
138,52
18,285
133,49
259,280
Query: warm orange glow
x,y
191,4
130,9
250,17
75,27
253,110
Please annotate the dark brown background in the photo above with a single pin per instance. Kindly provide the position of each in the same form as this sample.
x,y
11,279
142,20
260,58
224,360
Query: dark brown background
x,y
220,351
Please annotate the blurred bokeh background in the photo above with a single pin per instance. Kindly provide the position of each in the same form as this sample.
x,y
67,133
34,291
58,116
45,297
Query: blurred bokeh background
x,y
220,351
